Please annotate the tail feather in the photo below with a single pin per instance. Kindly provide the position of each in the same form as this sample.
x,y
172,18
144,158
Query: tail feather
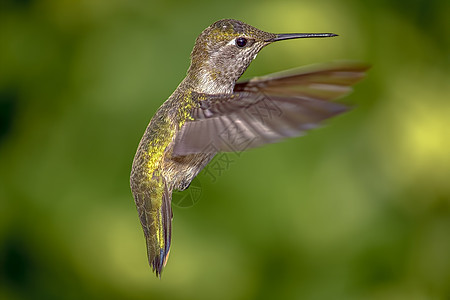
x,y
155,213
159,260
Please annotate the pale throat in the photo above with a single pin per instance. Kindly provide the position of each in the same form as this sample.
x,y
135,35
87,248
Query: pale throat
x,y
210,81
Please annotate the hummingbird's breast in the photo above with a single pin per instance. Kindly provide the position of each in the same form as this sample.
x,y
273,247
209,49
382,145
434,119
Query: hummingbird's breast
x,y
154,155
180,170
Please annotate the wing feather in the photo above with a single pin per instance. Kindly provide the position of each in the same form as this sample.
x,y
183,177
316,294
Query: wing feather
x,y
268,109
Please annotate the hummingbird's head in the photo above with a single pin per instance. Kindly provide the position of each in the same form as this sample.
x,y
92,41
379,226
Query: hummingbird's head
x,y
224,50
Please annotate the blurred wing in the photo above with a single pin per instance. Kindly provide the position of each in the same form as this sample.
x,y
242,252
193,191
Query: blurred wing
x,y
326,82
267,109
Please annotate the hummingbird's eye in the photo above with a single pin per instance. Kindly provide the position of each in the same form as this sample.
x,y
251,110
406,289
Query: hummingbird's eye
x,y
241,42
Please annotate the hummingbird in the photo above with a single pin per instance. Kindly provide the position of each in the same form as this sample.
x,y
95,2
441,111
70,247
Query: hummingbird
x,y
211,112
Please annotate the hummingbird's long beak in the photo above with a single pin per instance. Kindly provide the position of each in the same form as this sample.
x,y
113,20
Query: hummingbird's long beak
x,y
288,36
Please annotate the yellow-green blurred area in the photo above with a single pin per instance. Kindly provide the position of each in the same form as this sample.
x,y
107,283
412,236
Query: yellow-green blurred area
x,y
358,209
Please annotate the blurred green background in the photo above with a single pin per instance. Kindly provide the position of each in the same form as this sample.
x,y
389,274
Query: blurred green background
x,y
358,209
